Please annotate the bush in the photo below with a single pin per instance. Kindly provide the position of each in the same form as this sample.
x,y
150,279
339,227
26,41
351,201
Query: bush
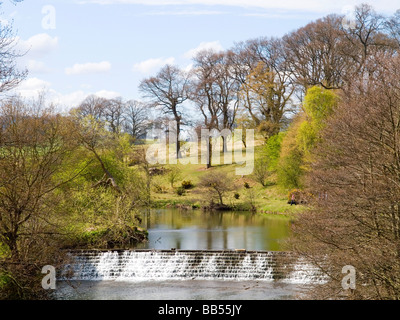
x,y
261,171
180,191
300,197
290,171
158,188
187,184
236,195
246,185
273,149
174,174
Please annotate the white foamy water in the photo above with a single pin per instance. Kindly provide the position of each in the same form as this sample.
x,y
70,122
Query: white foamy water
x,y
138,265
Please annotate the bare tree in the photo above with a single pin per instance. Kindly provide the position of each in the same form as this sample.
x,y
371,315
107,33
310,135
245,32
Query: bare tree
x,y
392,26
114,113
136,120
92,106
168,90
10,76
265,82
355,215
365,40
227,91
216,184
315,53
205,95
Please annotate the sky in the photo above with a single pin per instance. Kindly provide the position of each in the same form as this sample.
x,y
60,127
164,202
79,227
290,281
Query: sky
x,y
106,47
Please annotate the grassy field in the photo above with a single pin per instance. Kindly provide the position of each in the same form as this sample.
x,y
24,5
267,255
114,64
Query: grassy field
x,y
269,200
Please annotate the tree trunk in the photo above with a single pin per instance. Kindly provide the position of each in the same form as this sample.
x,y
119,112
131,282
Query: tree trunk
x,y
107,173
224,144
178,130
220,199
209,151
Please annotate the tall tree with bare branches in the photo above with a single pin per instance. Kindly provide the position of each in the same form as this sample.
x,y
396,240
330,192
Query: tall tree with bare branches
x,y
169,89
354,219
205,94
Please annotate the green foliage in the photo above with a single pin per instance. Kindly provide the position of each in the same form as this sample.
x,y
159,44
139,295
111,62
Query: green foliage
x,y
187,184
273,150
291,171
302,136
180,191
246,185
4,250
89,209
4,279
111,237
318,105
236,195
307,136
261,171
174,174
159,188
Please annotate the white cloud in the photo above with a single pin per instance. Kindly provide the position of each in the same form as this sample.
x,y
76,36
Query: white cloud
x,y
185,13
290,5
32,87
38,45
151,65
35,49
33,84
107,94
66,101
89,68
188,68
35,66
215,45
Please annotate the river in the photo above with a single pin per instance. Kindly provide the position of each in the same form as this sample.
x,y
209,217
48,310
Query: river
x,y
197,230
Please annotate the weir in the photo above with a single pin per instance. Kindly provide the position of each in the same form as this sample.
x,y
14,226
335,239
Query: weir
x,y
141,265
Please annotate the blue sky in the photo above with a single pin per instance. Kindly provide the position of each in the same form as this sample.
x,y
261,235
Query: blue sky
x,y
105,47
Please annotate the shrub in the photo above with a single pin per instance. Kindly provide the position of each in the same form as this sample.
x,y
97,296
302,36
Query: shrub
x,y
236,195
158,188
180,191
174,174
246,185
187,184
261,172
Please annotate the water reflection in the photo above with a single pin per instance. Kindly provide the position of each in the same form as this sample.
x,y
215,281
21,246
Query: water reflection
x,y
198,230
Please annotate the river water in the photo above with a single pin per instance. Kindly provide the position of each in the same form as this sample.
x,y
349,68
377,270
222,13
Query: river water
x,y
197,230
177,290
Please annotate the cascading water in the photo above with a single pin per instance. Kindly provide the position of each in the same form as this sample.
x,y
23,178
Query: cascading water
x,y
139,265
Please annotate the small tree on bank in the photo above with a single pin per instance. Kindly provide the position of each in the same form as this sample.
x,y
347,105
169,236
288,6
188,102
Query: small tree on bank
x,y
216,184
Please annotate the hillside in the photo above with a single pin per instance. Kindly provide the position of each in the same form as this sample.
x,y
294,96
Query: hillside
x,y
246,193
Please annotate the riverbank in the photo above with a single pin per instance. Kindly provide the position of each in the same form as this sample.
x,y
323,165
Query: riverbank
x,y
247,195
